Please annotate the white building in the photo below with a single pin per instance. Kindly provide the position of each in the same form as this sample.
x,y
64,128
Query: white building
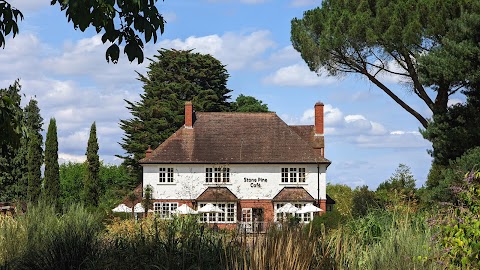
x,y
247,164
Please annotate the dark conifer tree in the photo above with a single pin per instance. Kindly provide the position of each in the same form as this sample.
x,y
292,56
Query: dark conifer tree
x,y
91,183
51,186
34,123
173,77
10,137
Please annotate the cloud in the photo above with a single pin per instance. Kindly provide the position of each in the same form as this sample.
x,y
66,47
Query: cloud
x,y
304,3
297,75
29,5
358,130
235,50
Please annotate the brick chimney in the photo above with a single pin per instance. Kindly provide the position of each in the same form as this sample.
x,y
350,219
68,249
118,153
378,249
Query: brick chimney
x,y
188,114
148,153
319,119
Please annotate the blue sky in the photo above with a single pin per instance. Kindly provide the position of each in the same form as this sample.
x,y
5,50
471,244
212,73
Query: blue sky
x,y
367,134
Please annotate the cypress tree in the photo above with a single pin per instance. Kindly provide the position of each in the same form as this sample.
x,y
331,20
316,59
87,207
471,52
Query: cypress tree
x,y
173,77
34,123
91,183
51,186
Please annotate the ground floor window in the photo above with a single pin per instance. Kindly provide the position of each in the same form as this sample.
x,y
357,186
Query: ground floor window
x,y
303,218
228,216
164,209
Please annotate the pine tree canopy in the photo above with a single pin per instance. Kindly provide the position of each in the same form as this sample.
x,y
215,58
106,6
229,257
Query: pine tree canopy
x,y
385,37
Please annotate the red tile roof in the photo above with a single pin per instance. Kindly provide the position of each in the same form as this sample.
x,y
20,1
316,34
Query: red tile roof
x,y
238,138
293,194
217,194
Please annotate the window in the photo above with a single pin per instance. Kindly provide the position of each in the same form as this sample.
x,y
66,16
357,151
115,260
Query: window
x,y
284,175
217,175
228,215
165,175
293,175
301,175
208,175
163,209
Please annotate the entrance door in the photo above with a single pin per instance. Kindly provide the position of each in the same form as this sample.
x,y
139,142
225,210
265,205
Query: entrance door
x,y
257,219
247,220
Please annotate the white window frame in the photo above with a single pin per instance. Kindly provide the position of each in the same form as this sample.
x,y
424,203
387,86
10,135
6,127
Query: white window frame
x,y
293,175
164,209
228,216
217,175
165,175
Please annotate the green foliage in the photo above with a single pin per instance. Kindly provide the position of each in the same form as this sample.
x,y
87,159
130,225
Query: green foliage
x,y
11,132
342,194
442,178
34,123
119,21
91,183
248,104
51,185
400,186
8,21
172,78
460,226
363,201
456,131
147,201
329,220
369,37
46,240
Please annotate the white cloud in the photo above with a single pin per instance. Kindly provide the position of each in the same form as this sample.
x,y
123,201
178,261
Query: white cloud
x,y
359,130
29,5
303,3
297,75
65,158
235,50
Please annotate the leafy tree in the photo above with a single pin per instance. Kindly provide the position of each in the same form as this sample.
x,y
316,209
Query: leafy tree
x,y
72,176
51,185
91,181
120,21
8,21
342,194
374,37
363,201
399,187
34,123
248,104
441,179
172,78
10,127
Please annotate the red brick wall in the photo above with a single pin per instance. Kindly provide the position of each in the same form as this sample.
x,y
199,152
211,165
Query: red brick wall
x,y
188,114
267,205
319,118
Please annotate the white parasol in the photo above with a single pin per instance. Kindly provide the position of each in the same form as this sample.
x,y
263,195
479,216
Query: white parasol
x,y
184,210
309,208
287,208
122,208
210,208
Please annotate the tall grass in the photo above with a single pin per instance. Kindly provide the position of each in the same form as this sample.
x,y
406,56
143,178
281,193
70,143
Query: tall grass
x,y
384,240
77,239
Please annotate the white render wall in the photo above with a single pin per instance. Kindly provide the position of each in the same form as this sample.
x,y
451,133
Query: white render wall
x,y
189,180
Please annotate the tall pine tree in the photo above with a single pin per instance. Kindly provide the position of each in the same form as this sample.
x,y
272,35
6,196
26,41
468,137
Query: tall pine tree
x,y
51,186
91,183
173,77
34,123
